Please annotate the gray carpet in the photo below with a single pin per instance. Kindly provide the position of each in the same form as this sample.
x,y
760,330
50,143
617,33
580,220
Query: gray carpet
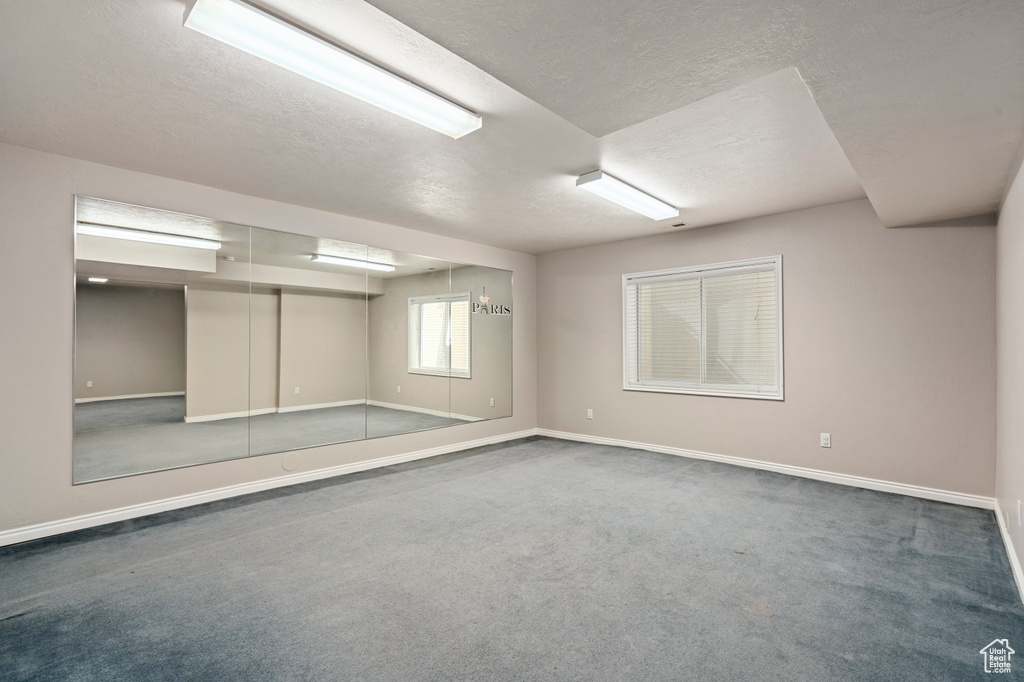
x,y
541,560
121,437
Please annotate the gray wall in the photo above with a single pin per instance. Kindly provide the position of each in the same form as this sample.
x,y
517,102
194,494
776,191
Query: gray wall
x,y
323,349
233,342
36,272
491,349
1010,383
218,351
264,348
249,350
131,340
889,346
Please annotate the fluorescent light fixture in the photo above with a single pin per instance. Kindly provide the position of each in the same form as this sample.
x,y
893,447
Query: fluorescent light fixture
x,y
98,280
603,185
150,237
252,30
353,263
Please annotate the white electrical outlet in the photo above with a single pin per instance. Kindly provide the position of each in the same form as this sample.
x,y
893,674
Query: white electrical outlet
x,y
826,440
296,390
492,402
88,384
590,414
399,389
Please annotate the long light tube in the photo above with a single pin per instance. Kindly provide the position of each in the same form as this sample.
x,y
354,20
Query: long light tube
x,y
353,263
613,189
254,31
98,280
150,237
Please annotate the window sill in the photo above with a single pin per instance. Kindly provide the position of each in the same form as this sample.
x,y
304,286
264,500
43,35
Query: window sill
x,y
447,375
707,392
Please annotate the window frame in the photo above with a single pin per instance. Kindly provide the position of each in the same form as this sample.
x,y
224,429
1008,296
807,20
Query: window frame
x,y
447,298
694,272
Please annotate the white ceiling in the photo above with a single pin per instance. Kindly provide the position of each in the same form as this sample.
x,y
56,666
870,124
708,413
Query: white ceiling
x,y
919,104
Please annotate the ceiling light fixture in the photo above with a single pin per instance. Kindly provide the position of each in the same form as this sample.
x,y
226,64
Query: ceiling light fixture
x,y
603,185
150,237
98,280
353,263
252,30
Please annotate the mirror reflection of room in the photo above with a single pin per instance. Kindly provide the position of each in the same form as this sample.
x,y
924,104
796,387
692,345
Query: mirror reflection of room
x,y
307,341
199,340
161,338
487,393
411,337
436,348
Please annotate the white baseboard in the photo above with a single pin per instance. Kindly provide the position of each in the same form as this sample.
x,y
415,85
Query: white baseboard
x,y
423,410
1018,575
321,406
42,530
803,472
229,415
128,397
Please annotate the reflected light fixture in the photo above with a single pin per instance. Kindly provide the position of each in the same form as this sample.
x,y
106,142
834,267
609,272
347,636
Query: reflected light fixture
x,y
150,237
353,263
603,185
252,30
98,280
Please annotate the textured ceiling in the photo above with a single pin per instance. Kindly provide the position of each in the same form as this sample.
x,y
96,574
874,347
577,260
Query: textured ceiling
x,y
925,96
698,103
763,143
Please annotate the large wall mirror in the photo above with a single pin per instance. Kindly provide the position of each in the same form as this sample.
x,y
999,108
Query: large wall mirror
x,y
198,340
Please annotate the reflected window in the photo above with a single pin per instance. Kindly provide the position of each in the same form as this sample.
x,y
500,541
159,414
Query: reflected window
x,y
439,335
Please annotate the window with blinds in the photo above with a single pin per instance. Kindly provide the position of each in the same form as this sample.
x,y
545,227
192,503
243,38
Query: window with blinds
x,y
709,330
439,340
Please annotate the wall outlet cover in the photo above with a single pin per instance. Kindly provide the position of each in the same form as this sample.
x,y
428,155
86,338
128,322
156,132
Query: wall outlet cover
x,y
826,440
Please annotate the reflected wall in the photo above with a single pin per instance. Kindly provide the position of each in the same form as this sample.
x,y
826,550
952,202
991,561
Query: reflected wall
x,y
242,341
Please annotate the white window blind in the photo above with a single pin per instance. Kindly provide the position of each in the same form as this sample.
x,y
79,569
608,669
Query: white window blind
x,y
439,335
711,330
